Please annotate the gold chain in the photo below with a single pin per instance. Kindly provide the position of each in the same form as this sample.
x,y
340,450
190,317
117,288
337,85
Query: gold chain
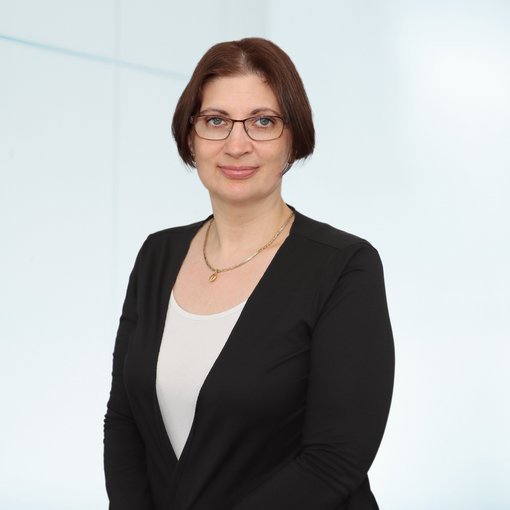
x,y
216,271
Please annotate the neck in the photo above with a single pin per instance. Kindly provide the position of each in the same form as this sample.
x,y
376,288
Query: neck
x,y
242,229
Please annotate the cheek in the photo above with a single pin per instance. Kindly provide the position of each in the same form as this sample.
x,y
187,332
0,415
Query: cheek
x,y
203,152
278,157
286,153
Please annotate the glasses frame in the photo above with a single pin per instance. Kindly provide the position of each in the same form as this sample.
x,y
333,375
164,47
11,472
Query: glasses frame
x,y
193,119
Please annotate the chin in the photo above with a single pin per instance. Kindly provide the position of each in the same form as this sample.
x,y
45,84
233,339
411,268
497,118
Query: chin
x,y
240,195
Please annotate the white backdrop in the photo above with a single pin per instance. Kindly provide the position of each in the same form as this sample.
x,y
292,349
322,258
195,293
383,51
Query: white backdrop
x,y
412,108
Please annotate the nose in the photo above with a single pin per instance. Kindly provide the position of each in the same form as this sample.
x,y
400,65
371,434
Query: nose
x,y
238,141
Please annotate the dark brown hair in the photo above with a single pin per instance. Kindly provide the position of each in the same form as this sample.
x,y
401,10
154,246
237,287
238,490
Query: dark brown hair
x,y
251,55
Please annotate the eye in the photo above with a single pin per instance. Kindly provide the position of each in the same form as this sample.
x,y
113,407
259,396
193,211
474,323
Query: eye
x,y
263,122
215,121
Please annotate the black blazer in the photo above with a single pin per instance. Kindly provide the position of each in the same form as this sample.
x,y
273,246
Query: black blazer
x,y
293,410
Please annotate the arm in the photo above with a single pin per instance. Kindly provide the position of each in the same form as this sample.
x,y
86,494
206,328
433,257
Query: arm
x,y
124,452
349,394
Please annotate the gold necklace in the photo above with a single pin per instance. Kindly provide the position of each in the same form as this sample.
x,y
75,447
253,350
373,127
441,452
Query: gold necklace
x,y
216,271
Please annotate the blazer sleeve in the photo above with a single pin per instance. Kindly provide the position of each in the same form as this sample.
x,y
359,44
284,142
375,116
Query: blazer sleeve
x,y
124,451
348,399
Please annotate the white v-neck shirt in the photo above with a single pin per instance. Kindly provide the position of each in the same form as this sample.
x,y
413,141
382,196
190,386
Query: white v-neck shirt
x,y
190,345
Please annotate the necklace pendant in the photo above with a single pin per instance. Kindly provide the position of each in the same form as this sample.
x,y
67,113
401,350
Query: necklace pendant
x,y
213,277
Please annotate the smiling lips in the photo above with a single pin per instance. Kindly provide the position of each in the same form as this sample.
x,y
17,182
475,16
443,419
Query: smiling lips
x,y
238,172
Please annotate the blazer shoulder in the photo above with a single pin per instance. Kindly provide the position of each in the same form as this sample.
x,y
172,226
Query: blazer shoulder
x,y
176,231
326,235
161,244
174,234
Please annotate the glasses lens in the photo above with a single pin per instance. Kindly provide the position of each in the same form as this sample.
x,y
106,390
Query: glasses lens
x,y
264,128
212,127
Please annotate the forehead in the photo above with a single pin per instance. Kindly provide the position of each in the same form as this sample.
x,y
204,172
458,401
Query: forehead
x,y
239,95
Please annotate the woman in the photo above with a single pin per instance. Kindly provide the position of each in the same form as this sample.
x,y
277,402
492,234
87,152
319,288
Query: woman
x,y
253,364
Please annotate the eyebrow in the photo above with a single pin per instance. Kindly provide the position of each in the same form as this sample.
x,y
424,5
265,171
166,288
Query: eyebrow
x,y
226,114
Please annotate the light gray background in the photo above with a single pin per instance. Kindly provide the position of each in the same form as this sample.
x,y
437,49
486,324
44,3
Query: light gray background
x,y
412,109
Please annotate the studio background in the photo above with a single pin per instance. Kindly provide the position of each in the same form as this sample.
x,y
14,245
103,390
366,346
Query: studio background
x,y
411,103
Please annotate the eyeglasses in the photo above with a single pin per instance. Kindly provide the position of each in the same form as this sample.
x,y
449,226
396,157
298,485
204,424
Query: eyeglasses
x,y
261,128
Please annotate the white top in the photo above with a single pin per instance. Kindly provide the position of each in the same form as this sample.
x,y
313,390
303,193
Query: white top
x,y
190,345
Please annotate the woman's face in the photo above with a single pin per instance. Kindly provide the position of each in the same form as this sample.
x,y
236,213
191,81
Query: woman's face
x,y
239,169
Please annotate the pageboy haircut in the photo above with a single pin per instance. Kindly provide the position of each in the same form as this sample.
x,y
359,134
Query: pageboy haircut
x,y
251,55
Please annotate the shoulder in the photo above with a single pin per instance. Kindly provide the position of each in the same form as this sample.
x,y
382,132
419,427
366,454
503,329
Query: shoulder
x,y
325,236
334,250
336,253
174,235
169,243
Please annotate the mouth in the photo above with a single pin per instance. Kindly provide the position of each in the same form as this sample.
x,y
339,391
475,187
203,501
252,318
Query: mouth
x,y
237,172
